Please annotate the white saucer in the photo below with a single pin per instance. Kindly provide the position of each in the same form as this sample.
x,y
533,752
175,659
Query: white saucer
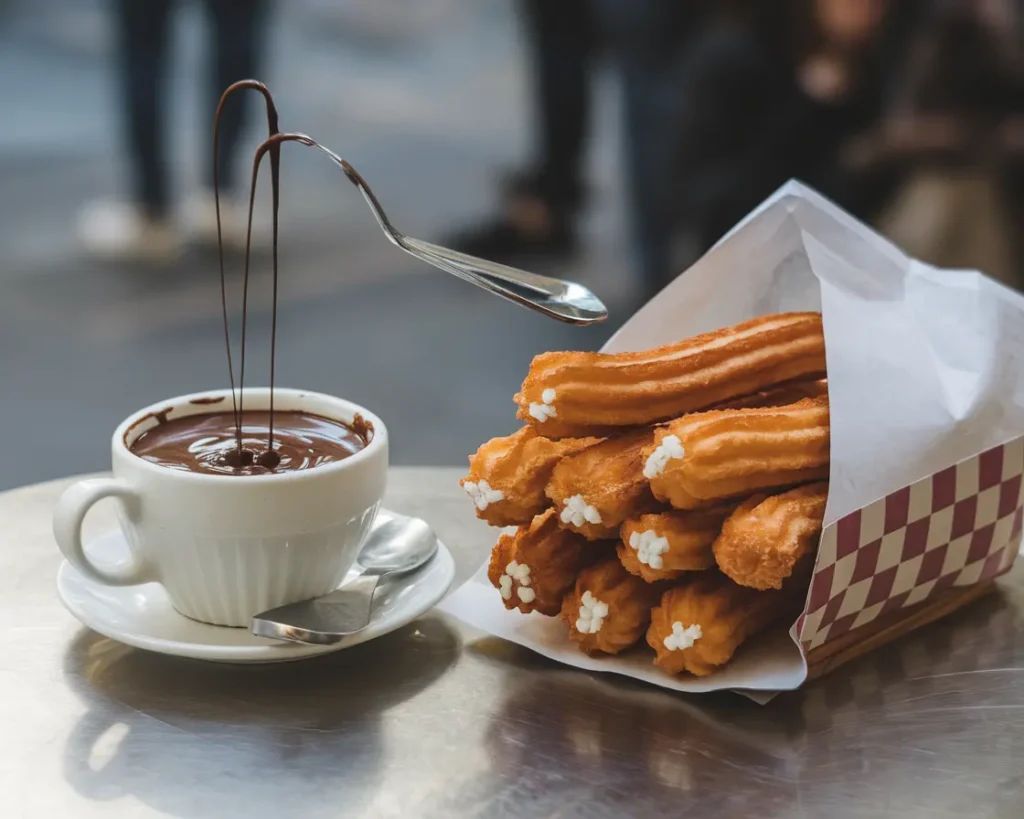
x,y
142,616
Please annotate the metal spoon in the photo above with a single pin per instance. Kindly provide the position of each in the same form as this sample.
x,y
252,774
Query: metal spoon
x,y
564,300
396,544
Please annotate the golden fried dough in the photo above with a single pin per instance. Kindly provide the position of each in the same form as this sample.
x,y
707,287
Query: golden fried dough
x,y
609,609
780,396
710,456
596,489
507,475
534,568
666,545
575,393
699,624
764,538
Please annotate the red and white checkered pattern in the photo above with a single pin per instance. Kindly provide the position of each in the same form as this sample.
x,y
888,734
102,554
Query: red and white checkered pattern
x,y
958,527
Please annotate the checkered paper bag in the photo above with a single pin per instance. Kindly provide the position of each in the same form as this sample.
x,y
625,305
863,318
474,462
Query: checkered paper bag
x,y
926,392
957,527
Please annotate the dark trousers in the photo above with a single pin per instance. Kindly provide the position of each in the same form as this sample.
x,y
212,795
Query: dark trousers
x,y
649,42
144,28
561,36
645,39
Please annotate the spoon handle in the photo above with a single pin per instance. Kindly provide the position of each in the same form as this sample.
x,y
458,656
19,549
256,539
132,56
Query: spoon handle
x,y
357,599
563,300
364,584
322,620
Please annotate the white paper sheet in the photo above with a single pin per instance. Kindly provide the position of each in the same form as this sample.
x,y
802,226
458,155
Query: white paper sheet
x,y
925,367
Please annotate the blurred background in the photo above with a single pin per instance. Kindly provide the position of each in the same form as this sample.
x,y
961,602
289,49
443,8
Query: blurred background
x,y
610,141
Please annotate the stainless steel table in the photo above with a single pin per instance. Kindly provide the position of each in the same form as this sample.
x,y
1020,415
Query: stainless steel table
x,y
439,721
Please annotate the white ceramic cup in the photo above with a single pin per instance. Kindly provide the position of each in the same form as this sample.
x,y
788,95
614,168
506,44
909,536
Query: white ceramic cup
x,y
227,547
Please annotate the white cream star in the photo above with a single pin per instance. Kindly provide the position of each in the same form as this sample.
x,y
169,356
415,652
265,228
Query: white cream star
x,y
482,494
516,572
542,412
683,638
519,571
649,548
669,448
577,512
592,614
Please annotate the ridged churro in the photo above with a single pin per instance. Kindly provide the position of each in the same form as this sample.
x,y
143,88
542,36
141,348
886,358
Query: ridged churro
x,y
598,488
708,457
698,625
666,545
609,609
780,396
575,393
507,475
764,538
534,568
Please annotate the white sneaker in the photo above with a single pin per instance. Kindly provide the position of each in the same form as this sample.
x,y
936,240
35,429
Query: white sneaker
x,y
199,216
121,231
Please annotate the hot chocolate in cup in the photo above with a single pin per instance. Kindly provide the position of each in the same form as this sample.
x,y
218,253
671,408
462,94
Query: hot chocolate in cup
x,y
228,546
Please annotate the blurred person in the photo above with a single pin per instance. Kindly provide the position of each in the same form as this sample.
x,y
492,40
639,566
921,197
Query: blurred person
x,y
540,205
776,93
650,43
955,139
144,227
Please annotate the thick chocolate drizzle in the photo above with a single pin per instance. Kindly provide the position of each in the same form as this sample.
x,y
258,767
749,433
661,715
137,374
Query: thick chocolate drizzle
x,y
272,145
240,457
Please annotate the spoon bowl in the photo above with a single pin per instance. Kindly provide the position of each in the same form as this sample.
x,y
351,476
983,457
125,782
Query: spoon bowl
x,y
396,544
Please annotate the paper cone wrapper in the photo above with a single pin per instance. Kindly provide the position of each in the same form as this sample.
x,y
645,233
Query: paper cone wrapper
x,y
926,391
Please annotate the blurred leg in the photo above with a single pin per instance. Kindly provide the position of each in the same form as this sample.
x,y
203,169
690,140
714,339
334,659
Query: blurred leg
x,y
237,37
539,205
740,119
1012,194
142,31
561,37
647,37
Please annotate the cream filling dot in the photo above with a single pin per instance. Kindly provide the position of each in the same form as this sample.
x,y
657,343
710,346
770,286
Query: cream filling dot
x,y
591,614
482,493
542,412
682,638
516,572
669,448
577,512
649,548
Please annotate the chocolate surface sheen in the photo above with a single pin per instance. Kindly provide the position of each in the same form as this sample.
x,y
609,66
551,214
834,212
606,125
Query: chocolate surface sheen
x,y
208,442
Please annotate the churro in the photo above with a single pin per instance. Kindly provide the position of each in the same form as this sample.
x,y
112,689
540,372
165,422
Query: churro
x,y
575,393
507,475
666,545
764,538
609,609
698,625
535,567
707,457
780,396
598,488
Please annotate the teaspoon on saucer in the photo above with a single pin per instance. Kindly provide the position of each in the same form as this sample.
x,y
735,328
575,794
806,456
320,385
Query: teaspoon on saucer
x,y
396,544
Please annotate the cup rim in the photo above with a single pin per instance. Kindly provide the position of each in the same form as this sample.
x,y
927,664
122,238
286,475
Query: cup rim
x,y
377,443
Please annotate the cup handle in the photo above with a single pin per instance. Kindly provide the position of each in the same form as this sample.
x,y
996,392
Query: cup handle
x,y
72,507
